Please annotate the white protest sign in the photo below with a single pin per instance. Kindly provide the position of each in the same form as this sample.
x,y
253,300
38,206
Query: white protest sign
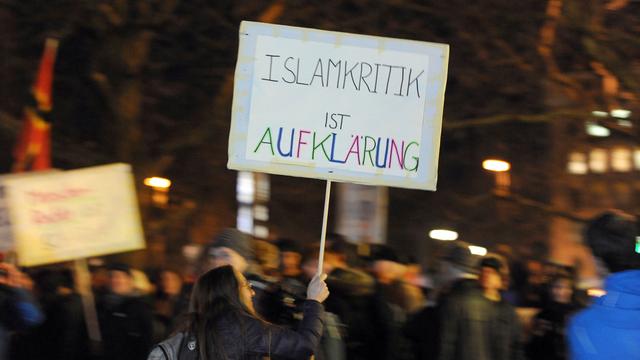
x,y
73,214
6,236
6,232
337,106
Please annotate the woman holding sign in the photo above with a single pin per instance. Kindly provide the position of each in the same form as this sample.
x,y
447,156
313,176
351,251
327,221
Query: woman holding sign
x,y
225,325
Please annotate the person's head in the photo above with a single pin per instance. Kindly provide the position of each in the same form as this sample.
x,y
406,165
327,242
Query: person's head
x,y
120,279
561,288
336,251
141,283
219,292
267,257
52,282
309,263
170,282
229,247
99,278
612,238
458,262
491,278
222,288
290,256
386,265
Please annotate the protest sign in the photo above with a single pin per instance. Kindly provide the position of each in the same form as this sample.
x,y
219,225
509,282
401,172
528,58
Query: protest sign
x,y
362,213
73,214
337,106
6,233
6,237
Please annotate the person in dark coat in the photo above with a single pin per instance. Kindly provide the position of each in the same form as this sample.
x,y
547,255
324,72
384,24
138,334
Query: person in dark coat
x,y
126,320
610,327
474,322
170,303
18,309
292,280
506,331
353,301
226,325
549,325
63,334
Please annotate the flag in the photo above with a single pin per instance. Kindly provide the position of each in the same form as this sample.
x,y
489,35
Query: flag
x,y
33,149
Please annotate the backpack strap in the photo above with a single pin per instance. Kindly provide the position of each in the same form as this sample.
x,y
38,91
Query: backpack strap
x,y
164,352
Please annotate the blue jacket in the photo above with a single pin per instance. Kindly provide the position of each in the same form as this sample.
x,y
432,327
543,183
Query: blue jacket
x,y
610,327
18,311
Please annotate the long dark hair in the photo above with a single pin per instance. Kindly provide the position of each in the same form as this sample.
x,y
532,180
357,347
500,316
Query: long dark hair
x,y
215,295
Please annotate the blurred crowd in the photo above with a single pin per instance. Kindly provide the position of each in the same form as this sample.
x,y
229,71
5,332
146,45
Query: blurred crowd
x,y
382,305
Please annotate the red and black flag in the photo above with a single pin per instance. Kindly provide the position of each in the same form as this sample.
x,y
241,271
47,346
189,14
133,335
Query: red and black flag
x,y
33,150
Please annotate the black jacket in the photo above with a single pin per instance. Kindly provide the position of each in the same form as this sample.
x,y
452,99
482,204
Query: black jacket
x,y
126,327
548,336
353,298
246,337
475,328
18,311
62,335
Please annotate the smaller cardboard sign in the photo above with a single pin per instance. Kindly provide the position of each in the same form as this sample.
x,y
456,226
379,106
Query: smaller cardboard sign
x,y
75,214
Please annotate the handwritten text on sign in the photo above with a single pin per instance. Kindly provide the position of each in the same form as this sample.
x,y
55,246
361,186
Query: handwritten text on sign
x,y
362,111
74,214
337,106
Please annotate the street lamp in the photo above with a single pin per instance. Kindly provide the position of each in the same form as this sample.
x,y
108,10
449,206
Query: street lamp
x,y
443,235
157,182
496,165
477,250
160,186
501,169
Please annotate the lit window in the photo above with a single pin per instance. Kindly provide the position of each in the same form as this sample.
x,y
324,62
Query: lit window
x,y
599,113
263,187
577,163
261,231
598,160
245,187
621,113
245,219
636,158
621,159
595,129
261,212
625,123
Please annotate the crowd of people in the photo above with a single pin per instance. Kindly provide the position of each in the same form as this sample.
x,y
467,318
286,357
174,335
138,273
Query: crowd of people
x,y
381,306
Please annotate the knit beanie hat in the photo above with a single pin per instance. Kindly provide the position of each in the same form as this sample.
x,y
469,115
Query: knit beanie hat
x,y
460,257
235,240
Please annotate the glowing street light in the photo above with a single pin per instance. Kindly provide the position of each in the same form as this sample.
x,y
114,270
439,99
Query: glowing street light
x,y
496,165
160,193
477,250
503,179
443,235
157,182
